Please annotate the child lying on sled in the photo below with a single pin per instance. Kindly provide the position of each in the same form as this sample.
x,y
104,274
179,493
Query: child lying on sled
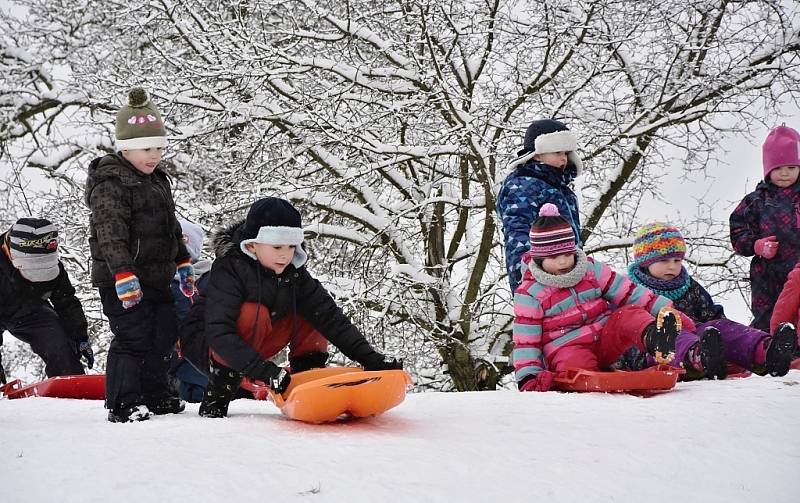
x,y
658,253
563,314
261,298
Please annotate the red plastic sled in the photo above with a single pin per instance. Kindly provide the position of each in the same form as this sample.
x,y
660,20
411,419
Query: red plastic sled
x,y
659,378
324,395
84,387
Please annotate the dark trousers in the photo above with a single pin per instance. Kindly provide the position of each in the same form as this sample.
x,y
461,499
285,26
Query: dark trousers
x,y
43,331
138,357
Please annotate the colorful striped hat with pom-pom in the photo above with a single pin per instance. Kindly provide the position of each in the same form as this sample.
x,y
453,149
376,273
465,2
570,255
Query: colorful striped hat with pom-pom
x,y
551,234
657,241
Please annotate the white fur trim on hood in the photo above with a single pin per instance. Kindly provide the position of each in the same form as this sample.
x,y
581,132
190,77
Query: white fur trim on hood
x,y
559,141
279,236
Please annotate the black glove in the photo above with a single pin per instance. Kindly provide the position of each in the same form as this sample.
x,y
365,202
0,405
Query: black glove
x,y
381,362
264,370
261,370
85,349
280,382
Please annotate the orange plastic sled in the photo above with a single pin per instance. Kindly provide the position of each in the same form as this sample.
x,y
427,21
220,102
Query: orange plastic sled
x,y
660,378
324,395
85,387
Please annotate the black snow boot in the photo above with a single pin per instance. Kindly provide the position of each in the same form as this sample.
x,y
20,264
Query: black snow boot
x,y
222,385
164,403
781,350
632,359
659,337
712,354
129,413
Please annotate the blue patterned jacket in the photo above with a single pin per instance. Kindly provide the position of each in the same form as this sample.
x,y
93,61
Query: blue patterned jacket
x,y
521,195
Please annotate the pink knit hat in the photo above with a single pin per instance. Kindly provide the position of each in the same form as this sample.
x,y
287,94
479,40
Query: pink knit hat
x,y
781,148
551,234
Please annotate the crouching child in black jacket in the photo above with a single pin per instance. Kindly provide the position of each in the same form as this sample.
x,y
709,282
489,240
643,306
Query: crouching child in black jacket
x,y
260,298
37,301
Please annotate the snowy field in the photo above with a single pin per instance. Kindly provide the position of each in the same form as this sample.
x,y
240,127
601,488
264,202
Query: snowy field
x,y
729,441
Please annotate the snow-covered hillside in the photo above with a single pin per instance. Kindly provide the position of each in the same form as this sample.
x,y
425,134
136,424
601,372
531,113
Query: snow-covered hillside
x,y
729,441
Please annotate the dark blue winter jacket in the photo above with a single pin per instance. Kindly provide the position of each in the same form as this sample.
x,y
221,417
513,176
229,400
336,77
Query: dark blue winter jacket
x,y
192,382
521,195
183,303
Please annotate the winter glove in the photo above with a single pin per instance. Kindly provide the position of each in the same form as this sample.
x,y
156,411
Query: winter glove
x,y
186,275
128,289
381,362
85,349
766,247
280,383
264,370
540,382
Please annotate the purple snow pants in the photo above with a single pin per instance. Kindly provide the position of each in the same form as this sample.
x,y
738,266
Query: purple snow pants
x,y
739,341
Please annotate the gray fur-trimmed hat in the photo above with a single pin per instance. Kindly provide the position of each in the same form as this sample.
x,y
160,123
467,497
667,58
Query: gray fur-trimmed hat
x,y
33,246
274,221
139,124
193,238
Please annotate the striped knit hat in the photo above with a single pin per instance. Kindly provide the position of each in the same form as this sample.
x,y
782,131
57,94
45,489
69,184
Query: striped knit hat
x,y
33,248
551,234
657,241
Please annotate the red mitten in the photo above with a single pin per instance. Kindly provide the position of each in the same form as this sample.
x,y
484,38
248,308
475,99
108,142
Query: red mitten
x,y
766,247
540,382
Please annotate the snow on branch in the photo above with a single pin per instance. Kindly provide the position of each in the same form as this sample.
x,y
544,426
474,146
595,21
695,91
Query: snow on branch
x,y
359,31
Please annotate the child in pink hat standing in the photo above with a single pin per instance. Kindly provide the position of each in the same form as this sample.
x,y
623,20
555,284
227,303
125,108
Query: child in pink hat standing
x,y
766,224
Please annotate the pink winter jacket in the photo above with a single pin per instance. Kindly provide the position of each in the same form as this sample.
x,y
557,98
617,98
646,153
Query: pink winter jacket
x,y
787,307
570,311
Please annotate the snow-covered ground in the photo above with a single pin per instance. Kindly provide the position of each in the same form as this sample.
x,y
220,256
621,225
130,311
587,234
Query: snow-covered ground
x,y
728,441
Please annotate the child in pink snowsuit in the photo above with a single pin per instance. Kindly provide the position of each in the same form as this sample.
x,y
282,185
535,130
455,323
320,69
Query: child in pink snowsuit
x,y
658,253
563,314
787,308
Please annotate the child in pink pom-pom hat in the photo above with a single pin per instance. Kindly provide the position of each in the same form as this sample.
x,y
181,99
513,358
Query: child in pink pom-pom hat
x,y
571,311
766,224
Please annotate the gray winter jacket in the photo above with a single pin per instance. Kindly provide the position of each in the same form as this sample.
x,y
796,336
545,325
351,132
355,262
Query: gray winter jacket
x,y
132,227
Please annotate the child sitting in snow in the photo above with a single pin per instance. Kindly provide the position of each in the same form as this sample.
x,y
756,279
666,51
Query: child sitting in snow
x,y
658,253
563,314
767,223
191,383
547,165
260,298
